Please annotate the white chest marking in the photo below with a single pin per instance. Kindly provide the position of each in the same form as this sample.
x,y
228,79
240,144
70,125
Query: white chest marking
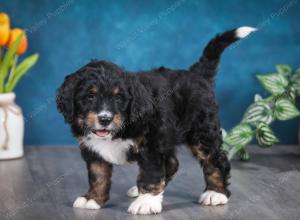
x,y
113,151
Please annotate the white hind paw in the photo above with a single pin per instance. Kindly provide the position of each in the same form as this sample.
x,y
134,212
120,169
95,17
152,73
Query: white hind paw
x,y
213,198
83,203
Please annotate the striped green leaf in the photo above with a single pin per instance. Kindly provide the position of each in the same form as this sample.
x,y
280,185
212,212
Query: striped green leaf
x,y
260,111
226,147
295,80
240,135
274,83
289,94
292,93
234,150
284,69
265,136
285,110
244,155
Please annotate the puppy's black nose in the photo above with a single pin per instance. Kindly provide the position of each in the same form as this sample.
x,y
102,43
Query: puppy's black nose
x,y
105,120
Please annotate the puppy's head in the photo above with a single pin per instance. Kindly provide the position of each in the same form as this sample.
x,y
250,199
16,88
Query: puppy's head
x,y
100,99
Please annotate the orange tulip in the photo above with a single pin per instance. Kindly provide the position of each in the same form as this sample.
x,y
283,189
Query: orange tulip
x,y
14,34
4,28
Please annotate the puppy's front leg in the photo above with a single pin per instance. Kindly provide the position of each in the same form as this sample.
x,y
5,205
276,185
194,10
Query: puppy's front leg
x,y
99,173
151,183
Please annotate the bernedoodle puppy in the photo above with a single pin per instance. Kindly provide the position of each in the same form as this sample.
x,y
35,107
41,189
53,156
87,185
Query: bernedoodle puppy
x,y
119,117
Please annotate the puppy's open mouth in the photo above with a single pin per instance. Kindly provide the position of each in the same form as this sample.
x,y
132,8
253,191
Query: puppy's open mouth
x,y
101,132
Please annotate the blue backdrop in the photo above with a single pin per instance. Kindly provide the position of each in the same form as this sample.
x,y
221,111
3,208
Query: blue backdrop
x,y
144,34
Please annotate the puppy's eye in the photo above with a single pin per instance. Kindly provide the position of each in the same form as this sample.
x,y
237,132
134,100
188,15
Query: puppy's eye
x,y
91,96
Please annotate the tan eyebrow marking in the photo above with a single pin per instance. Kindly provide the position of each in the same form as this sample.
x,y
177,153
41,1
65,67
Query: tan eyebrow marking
x,y
94,89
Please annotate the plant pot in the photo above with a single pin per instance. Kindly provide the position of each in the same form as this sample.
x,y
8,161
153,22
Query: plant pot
x,y
11,128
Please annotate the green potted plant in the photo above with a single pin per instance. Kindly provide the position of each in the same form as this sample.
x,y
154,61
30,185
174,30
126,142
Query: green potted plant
x,y
13,43
284,87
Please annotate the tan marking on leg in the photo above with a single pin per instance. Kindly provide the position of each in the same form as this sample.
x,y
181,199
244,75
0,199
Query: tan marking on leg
x,y
215,179
100,181
213,176
198,152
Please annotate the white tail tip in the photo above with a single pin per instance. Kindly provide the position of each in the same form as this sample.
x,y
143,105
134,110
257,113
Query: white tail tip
x,y
244,31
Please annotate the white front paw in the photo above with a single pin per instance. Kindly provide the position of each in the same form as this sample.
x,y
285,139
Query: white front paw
x,y
146,204
211,197
92,204
83,203
133,191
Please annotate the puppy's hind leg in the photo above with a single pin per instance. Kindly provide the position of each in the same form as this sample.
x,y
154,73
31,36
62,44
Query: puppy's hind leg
x,y
216,170
216,167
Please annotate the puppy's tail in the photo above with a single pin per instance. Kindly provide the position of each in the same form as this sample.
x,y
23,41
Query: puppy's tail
x,y
208,63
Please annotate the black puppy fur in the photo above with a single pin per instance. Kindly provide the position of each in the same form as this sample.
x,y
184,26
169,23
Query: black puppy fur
x,y
157,109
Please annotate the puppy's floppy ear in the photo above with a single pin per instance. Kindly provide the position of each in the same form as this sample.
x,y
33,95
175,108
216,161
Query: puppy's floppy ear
x,y
65,96
141,103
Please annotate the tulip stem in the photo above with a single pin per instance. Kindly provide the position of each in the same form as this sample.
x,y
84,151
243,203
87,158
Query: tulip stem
x,y
12,71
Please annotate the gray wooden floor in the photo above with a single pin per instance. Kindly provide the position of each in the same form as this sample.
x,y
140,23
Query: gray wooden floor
x,y
44,184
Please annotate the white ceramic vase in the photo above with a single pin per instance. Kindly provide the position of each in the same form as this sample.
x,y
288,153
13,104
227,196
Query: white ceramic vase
x,y
11,128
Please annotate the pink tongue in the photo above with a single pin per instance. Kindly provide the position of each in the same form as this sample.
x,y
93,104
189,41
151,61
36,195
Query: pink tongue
x,y
102,133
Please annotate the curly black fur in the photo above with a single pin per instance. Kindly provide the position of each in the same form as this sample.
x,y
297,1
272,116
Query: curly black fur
x,y
162,107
